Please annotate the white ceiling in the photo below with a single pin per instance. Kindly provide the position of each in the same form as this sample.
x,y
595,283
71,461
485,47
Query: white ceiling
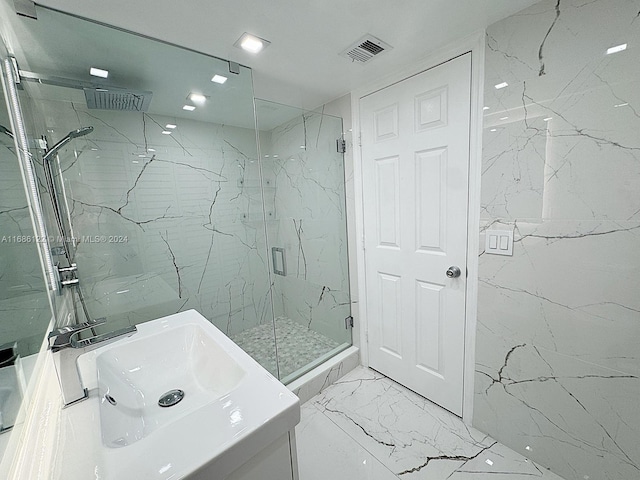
x,y
302,66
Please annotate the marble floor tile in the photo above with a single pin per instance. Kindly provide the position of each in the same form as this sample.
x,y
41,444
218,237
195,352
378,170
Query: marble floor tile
x,y
327,452
393,430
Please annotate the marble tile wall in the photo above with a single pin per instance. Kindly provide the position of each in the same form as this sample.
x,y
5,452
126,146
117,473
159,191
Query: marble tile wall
x,y
558,362
165,222
309,221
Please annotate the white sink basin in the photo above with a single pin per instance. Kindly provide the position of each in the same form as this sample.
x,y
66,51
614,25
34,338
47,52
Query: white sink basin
x,y
133,375
232,407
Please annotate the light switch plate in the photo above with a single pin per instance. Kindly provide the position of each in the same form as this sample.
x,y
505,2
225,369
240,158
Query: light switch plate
x,y
499,242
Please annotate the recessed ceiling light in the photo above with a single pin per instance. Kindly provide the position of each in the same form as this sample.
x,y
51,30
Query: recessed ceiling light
x,y
547,119
219,79
616,49
494,130
485,108
170,126
621,105
251,43
166,132
197,98
189,108
501,85
503,118
151,149
98,72
94,149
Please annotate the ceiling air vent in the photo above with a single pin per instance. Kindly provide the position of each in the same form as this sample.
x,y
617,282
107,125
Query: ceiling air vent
x,y
365,49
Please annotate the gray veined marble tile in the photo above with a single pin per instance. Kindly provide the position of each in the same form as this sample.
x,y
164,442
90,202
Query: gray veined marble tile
x,y
387,428
411,436
327,452
501,462
571,415
557,356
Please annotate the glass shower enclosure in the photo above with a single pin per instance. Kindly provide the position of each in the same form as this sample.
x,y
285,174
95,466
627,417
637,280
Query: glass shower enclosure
x,y
303,188
175,200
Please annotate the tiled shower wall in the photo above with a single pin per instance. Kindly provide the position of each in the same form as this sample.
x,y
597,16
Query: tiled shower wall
x,y
307,188
166,222
558,363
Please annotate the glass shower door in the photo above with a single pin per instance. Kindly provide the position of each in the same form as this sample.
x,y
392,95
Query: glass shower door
x,y
163,202
304,190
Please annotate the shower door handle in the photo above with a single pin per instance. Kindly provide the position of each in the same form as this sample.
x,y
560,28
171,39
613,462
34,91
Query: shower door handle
x,y
278,260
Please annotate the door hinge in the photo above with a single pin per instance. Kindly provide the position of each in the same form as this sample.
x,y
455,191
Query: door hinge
x,y
348,322
341,145
234,68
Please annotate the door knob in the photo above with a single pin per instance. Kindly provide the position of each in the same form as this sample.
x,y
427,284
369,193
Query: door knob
x,y
453,272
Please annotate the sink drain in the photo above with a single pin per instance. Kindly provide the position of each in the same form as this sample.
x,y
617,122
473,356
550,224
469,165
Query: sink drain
x,y
171,398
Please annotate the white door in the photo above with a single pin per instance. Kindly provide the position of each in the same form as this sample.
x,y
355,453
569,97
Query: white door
x,y
415,155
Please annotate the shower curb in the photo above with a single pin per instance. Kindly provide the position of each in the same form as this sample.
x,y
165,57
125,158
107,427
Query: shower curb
x,y
325,374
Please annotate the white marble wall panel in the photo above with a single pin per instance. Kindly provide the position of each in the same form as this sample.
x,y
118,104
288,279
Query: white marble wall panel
x,y
309,221
558,364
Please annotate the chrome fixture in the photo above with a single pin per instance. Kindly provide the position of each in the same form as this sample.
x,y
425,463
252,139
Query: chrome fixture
x,y
279,261
171,398
97,96
53,193
66,346
81,132
66,276
453,272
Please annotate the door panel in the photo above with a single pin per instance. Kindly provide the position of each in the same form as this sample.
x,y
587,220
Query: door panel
x,y
431,180
415,153
388,201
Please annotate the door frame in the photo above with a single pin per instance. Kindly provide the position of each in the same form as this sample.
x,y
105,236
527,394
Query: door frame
x,y
474,44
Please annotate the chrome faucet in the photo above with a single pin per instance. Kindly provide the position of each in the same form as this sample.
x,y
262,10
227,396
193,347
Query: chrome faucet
x,y
66,346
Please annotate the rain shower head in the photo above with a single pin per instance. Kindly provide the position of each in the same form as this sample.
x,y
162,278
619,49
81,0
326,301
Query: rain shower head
x,y
110,98
97,97
81,132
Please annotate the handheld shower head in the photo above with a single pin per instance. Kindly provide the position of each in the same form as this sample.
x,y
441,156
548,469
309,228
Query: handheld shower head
x,y
81,132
